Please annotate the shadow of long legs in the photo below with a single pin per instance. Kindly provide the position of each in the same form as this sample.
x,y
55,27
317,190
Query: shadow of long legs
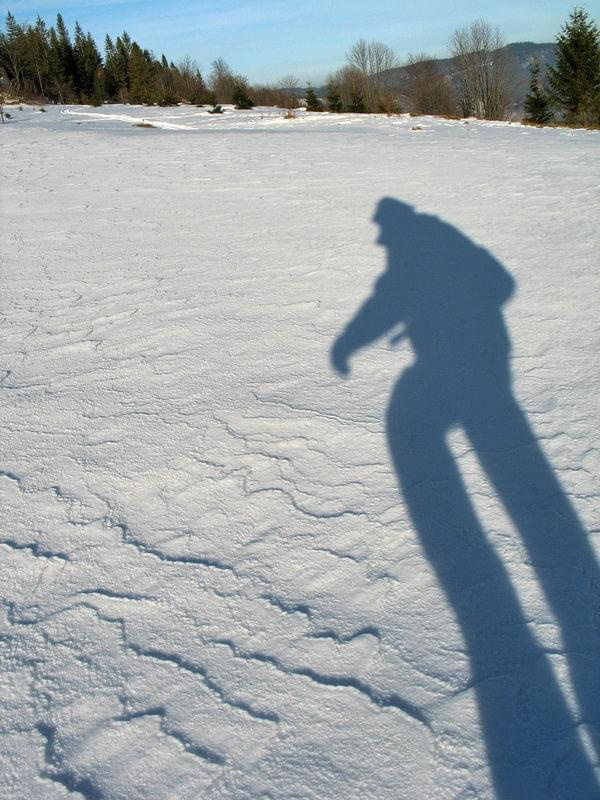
x,y
525,721
558,547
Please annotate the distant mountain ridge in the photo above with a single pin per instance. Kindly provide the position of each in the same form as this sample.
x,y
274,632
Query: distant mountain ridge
x,y
519,55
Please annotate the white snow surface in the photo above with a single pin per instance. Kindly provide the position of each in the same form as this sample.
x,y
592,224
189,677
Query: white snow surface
x,y
212,584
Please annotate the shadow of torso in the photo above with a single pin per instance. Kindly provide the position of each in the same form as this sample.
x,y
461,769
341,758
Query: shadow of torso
x,y
448,294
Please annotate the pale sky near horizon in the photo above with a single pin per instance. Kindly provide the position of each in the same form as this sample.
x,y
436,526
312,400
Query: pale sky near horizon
x,y
267,39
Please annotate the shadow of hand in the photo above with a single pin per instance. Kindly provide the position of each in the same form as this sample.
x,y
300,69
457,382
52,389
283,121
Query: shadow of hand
x,y
339,358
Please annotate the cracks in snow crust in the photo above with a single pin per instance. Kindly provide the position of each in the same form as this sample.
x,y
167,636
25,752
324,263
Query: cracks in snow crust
x,y
165,726
380,699
195,669
35,549
239,596
207,570
117,604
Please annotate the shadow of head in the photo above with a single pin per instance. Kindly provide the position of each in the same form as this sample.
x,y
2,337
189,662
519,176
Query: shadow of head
x,y
394,217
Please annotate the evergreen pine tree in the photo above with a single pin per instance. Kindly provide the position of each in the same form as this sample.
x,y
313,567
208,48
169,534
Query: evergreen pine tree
x,y
119,65
78,58
357,103
98,95
166,79
57,81
334,101
12,54
61,64
312,101
110,79
38,54
141,76
67,70
575,80
87,61
240,97
537,105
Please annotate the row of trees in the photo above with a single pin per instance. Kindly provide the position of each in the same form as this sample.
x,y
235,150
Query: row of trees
x,y
478,86
43,62
480,81
481,84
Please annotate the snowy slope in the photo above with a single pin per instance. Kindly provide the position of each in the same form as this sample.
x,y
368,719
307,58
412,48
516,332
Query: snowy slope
x,y
212,585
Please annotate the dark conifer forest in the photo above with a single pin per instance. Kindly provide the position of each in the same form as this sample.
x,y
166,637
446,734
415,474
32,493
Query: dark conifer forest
x,y
48,64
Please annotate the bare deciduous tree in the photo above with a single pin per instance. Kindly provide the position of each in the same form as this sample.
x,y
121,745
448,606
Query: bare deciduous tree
x,y
189,83
224,83
481,70
288,86
428,90
381,58
371,61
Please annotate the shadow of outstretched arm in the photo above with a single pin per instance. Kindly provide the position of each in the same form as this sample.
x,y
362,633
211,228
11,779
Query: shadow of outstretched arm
x,y
378,315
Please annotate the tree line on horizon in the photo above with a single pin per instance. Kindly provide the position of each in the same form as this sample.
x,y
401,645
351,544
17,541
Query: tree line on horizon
x,y
44,63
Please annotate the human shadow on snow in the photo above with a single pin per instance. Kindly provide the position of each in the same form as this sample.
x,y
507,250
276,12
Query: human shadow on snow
x,y
447,293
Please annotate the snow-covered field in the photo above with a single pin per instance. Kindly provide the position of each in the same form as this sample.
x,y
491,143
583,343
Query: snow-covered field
x,y
228,570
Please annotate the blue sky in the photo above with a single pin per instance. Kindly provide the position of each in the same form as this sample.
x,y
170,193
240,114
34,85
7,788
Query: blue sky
x,y
266,39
